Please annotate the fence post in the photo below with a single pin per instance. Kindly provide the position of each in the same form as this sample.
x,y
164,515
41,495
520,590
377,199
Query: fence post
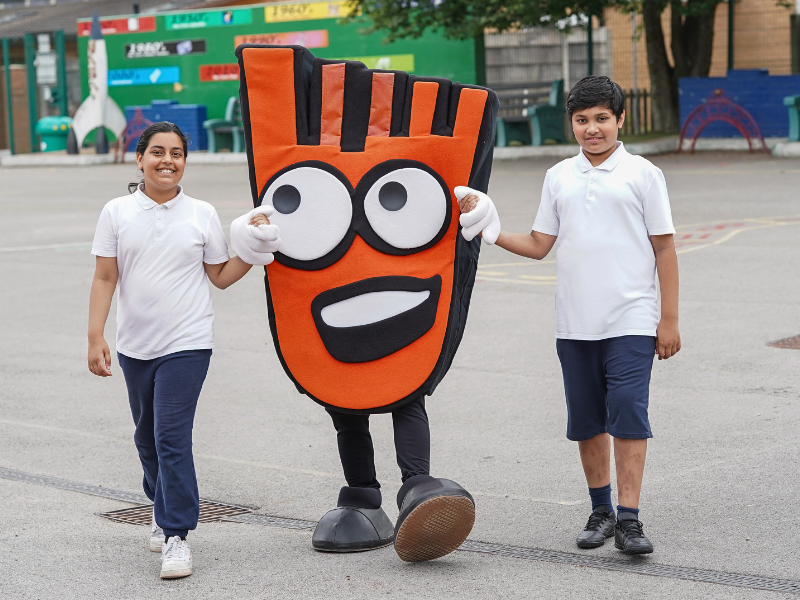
x,y
9,103
63,106
589,48
30,71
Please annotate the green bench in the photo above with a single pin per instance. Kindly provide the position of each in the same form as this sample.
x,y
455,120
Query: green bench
x,y
229,128
792,103
530,113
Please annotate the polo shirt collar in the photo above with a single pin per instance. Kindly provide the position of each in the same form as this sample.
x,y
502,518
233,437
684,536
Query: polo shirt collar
x,y
608,164
146,202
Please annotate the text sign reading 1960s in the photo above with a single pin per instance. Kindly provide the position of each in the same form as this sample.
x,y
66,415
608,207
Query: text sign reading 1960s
x,y
211,18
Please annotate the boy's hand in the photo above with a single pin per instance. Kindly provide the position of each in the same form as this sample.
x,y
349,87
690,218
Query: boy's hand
x,y
668,339
99,358
253,238
478,215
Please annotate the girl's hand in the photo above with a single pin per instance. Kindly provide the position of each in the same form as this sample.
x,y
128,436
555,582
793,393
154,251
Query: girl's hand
x,y
100,358
259,219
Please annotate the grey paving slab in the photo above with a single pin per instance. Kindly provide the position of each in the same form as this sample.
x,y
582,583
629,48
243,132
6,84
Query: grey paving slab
x,y
721,480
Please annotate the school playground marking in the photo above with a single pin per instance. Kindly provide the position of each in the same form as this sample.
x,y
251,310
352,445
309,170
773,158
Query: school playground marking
x,y
688,238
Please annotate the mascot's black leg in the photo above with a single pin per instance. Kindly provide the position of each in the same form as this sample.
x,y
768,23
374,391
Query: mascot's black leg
x,y
436,515
358,522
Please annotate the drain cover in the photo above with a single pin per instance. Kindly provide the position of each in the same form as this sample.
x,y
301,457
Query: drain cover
x,y
792,343
210,512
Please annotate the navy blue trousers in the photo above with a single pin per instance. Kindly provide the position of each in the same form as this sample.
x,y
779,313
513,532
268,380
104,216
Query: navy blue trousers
x,y
163,395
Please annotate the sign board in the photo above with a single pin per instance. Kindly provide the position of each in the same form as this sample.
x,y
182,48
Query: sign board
x,y
117,26
152,76
316,38
153,49
219,72
307,11
210,18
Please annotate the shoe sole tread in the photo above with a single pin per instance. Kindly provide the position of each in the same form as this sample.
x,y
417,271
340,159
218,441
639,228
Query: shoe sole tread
x,y
435,528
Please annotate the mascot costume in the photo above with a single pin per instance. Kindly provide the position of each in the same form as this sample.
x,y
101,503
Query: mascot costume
x,y
369,290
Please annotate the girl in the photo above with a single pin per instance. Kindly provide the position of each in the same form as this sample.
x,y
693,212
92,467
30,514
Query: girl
x,y
159,246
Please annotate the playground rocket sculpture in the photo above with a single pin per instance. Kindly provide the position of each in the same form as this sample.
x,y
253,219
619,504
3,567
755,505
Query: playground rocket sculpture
x,y
98,111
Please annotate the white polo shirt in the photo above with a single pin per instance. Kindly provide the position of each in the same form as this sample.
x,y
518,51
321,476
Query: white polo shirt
x,y
605,264
163,301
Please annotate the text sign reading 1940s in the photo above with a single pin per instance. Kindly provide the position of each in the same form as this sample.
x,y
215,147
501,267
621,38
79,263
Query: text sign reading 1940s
x,y
154,49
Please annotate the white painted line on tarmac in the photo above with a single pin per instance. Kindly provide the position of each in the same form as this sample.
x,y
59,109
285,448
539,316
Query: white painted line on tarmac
x,y
45,247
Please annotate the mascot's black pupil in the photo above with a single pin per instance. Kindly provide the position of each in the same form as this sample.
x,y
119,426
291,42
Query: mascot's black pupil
x,y
392,195
286,199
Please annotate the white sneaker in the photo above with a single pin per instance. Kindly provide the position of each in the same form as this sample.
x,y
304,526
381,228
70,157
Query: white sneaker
x,y
156,536
176,558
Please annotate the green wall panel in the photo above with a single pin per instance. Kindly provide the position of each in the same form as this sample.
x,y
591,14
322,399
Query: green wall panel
x,y
430,55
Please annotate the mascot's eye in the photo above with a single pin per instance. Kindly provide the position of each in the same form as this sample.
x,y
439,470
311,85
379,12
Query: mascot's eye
x,y
406,207
313,211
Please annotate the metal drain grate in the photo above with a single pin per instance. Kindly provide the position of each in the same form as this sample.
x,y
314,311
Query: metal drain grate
x,y
210,512
791,343
272,521
636,566
74,486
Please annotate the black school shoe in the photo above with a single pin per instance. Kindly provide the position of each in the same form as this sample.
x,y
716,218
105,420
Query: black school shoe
x,y
629,536
436,516
599,527
358,523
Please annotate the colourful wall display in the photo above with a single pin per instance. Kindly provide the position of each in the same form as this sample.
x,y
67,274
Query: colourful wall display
x,y
188,56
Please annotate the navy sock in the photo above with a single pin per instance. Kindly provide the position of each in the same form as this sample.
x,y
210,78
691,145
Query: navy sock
x,y
622,509
601,497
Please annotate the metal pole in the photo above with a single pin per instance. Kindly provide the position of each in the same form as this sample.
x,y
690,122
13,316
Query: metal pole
x,y
589,49
63,105
730,34
9,104
33,109
635,103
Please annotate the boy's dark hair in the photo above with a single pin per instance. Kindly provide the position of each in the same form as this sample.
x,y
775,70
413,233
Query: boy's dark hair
x,y
144,142
596,90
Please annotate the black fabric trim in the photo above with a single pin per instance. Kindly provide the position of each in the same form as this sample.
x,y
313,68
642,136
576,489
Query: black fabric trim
x,y
244,104
357,102
303,64
439,125
365,343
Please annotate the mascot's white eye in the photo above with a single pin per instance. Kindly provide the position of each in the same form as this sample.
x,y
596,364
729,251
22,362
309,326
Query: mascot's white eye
x,y
313,211
406,207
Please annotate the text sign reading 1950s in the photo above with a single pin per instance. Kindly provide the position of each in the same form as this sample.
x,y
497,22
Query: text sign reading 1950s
x,y
211,18
153,49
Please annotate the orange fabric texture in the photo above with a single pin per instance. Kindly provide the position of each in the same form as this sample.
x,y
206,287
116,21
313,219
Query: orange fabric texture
x,y
369,385
332,104
423,104
380,111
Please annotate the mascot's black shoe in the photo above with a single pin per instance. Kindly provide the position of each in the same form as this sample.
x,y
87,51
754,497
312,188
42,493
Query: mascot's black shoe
x,y
358,523
436,516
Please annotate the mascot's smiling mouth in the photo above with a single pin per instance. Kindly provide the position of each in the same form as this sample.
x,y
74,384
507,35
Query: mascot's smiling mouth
x,y
375,317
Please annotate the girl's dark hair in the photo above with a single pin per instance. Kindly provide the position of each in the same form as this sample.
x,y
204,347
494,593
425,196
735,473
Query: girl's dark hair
x,y
144,142
596,90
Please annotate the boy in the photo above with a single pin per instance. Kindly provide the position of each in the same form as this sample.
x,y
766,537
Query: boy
x,y
609,214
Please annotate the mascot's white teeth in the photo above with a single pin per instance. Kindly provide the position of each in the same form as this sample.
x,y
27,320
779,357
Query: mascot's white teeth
x,y
371,307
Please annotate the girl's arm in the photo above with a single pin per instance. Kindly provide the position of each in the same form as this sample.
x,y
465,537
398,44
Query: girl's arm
x,y
227,273
103,286
668,337
536,245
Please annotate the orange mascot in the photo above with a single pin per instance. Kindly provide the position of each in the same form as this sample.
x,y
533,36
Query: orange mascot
x,y
369,292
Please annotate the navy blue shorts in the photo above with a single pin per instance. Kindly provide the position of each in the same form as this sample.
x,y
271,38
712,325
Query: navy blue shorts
x,y
607,384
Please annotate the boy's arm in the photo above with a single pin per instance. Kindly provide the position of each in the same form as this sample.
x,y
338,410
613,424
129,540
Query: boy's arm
x,y
536,245
226,274
668,337
104,283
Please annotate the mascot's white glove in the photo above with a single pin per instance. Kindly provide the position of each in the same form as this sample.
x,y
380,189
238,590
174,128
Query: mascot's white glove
x,y
481,219
255,245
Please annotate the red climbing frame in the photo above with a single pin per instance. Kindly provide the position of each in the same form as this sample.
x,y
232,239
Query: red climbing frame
x,y
720,108
135,128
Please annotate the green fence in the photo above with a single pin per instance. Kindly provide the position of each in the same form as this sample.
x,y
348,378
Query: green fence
x,y
188,56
